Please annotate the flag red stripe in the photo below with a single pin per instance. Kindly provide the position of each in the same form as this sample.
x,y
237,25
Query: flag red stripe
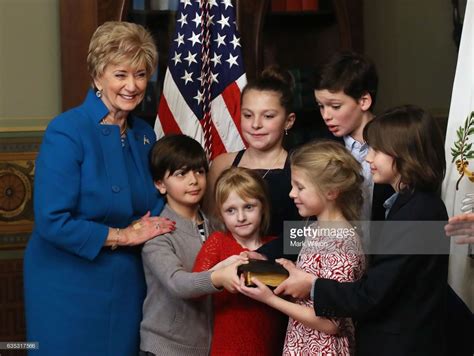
x,y
231,96
168,123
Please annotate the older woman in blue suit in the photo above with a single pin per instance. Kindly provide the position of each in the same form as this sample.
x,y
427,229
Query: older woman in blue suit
x,y
95,205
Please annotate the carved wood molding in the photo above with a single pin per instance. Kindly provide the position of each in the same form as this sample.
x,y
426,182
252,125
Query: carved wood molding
x,y
250,20
12,317
16,198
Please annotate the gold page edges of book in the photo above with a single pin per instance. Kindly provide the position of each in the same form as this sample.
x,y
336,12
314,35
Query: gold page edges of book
x,y
269,273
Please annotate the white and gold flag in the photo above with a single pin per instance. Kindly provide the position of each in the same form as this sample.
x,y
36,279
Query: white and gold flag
x,y
458,186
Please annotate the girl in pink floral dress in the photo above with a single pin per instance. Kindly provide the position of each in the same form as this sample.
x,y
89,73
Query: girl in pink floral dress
x,y
326,183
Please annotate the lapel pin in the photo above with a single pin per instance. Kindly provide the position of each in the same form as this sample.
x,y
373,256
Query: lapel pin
x,y
146,141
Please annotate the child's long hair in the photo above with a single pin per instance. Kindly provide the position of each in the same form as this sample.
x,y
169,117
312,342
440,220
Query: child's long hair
x,y
330,166
413,138
248,185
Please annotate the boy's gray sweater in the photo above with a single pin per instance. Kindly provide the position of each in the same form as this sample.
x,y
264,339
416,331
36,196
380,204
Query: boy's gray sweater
x,y
175,320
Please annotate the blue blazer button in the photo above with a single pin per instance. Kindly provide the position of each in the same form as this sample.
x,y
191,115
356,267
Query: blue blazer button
x,y
106,131
115,188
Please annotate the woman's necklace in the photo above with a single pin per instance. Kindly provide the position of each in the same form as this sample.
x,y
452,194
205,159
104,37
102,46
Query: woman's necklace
x,y
123,130
274,163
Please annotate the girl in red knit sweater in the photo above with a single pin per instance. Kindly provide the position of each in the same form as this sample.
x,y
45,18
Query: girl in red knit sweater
x,y
242,326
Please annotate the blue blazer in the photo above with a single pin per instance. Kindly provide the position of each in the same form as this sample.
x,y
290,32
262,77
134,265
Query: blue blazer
x,y
81,298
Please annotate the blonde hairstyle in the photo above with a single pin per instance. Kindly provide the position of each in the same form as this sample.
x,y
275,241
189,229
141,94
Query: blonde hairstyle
x,y
247,184
117,42
330,166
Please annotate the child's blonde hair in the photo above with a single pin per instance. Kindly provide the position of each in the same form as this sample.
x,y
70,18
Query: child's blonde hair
x,y
247,184
330,166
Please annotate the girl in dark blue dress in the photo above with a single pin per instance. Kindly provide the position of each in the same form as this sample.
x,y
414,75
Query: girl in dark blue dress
x,y
266,117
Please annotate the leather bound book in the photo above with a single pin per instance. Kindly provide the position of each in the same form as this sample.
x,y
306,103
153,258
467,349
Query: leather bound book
x,y
269,273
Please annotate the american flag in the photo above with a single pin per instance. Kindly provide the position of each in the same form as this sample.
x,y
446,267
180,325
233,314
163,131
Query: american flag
x,y
204,78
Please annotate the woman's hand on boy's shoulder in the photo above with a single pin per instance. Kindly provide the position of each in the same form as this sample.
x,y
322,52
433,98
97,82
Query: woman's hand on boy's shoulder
x,y
147,228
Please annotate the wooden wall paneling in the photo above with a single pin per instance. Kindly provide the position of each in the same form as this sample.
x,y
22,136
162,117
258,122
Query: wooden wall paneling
x,y
12,317
78,21
356,18
350,21
311,39
296,39
343,22
299,41
250,19
112,10
17,159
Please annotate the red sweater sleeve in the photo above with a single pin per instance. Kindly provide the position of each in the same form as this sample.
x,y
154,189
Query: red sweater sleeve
x,y
210,253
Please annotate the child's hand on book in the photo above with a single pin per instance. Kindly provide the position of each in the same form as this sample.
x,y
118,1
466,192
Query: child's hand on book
x,y
227,277
230,260
298,284
253,255
259,292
